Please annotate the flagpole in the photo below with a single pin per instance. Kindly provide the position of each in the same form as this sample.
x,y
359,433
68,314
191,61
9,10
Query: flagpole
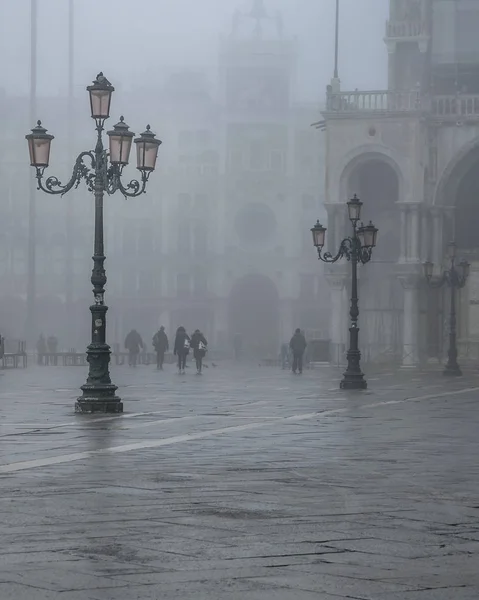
x,y
336,43
30,326
69,262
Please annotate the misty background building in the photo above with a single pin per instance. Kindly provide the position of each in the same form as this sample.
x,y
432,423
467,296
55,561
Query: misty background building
x,y
221,240
411,152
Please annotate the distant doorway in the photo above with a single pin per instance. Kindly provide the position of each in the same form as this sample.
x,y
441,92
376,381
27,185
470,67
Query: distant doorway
x,y
254,315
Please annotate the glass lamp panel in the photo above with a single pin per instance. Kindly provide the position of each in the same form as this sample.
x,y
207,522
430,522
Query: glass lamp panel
x,y
120,147
369,235
354,208
319,235
41,152
120,143
39,143
147,150
100,101
100,97
147,154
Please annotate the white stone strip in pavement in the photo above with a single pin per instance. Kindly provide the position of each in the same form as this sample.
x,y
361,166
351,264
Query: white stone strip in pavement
x,y
178,439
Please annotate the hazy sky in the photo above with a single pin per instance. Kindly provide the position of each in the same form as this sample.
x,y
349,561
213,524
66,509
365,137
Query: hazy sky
x,y
135,39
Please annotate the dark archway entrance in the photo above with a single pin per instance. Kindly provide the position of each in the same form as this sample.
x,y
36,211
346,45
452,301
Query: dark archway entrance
x,y
254,314
376,183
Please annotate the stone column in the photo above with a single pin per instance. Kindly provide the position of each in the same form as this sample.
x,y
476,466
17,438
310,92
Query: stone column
x,y
425,241
403,233
414,233
410,284
338,315
437,243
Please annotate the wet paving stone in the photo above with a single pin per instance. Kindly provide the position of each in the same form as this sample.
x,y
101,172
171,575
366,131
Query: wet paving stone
x,y
246,483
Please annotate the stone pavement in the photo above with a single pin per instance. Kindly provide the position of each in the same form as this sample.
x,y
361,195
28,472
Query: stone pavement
x,y
242,484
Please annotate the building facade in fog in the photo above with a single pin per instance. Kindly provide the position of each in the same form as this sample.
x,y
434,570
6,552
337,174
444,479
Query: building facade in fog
x,y
220,241
411,153
239,189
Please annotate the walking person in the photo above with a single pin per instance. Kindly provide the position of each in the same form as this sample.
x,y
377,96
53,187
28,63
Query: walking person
x,y
182,348
298,346
160,344
199,345
133,343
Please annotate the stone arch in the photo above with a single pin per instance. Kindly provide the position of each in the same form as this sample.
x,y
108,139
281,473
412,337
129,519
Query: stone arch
x,y
457,166
457,189
253,313
364,154
376,178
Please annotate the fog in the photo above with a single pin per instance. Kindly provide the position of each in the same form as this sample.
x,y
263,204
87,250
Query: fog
x,y
131,44
205,247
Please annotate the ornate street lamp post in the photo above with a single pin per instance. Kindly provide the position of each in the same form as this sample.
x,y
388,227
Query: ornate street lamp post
x,y
357,248
455,277
103,175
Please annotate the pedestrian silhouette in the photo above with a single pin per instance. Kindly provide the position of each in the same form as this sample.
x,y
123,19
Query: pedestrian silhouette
x,y
298,346
182,348
199,345
133,343
160,344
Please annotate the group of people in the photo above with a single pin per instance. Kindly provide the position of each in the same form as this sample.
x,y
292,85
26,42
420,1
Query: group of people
x,y
183,344
296,348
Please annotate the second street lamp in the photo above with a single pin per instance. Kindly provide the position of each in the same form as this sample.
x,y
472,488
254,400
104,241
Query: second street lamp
x,y
357,248
455,277
103,174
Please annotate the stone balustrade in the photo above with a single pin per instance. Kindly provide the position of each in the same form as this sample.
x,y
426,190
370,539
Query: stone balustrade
x,y
373,101
406,29
455,106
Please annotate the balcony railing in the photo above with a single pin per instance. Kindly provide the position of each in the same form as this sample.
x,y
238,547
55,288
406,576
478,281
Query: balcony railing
x,y
406,29
375,101
455,106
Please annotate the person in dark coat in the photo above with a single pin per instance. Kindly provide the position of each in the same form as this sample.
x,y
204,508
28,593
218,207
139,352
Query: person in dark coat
x,y
133,343
298,346
160,344
182,348
199,345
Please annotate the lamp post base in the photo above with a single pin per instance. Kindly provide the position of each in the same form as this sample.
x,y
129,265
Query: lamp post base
x,y
452,371
353,381
99,399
